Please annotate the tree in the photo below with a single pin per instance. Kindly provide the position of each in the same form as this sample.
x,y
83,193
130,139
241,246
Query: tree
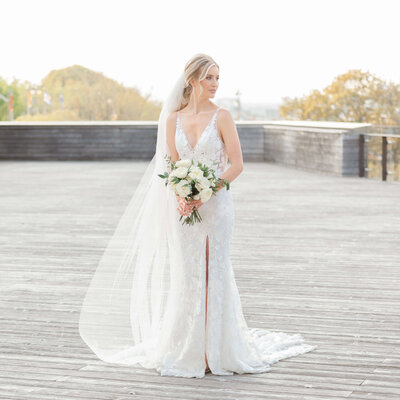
x,y
17,88
355,96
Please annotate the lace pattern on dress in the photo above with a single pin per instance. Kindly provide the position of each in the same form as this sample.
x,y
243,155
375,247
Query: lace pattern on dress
x,y
231,346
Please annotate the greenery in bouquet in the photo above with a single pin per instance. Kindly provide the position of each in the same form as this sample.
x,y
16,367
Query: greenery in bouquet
x,y
193,181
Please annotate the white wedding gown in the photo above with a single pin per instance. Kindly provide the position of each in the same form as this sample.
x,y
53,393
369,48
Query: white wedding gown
x,y
231,346
121,318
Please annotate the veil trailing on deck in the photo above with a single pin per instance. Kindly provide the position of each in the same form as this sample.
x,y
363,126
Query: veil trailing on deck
x,y
123,311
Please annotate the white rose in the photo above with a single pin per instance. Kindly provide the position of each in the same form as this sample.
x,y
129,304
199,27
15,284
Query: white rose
x,y
181,189
180,172
196,196
184,163
206,194
202,183
195,172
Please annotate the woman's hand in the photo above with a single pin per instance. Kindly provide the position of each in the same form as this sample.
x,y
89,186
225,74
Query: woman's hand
x,y
185,207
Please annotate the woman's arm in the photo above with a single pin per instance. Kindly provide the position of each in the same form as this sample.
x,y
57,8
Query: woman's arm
x,y
170,133
232,145
183,206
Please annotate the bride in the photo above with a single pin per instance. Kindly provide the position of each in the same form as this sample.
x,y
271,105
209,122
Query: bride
x,y
164,294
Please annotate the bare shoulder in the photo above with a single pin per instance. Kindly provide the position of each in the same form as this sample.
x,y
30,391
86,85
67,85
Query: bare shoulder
x,y
225,116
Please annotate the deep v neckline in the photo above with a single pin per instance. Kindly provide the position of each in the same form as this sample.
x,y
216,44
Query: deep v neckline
x,y
202,133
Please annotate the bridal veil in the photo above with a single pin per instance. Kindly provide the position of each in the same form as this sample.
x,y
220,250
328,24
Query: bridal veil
x,y
123,311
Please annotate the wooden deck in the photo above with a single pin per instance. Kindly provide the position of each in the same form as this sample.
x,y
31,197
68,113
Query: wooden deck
x,y
312,253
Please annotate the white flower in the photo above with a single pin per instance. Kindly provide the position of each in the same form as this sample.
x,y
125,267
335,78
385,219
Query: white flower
x,y
184,163
196,196
180,172
206,194
195,172
202,183
181,189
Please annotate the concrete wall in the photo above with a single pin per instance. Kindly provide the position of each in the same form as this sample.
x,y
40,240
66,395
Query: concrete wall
x,y
321,146
77,141
330,147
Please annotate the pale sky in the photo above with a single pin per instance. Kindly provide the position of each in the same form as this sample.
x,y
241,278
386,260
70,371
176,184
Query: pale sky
x,y
266,49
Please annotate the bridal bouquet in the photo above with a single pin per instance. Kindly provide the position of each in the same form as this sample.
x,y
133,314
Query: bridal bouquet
x,y
193,182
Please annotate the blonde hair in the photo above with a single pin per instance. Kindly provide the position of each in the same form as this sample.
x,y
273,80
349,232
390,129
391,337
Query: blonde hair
x,y
196,68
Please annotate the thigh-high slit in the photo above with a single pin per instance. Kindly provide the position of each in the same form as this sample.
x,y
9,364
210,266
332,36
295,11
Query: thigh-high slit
x,y
207,253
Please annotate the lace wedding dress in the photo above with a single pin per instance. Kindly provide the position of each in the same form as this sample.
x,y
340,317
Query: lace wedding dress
x,y
146,303
221,333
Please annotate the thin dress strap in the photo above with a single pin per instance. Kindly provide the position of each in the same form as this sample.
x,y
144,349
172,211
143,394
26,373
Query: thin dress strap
x,y
216,117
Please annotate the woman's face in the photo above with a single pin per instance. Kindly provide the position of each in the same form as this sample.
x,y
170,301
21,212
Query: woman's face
x,y
210,82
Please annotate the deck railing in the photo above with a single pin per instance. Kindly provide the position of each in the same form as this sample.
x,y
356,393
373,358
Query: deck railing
x,y
379,153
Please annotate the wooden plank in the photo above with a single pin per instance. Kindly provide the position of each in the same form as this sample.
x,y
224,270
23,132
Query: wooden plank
x,y
325,263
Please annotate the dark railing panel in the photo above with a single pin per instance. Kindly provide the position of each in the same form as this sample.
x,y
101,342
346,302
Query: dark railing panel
x,y
361,157
384,158
379,155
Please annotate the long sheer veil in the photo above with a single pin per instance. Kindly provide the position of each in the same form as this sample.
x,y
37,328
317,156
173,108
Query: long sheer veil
x,y
123,311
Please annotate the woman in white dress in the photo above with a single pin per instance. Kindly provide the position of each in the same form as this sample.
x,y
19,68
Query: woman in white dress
x,y
164,294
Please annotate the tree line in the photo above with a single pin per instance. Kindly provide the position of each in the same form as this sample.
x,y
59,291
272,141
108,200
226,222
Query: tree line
x,y
76,93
